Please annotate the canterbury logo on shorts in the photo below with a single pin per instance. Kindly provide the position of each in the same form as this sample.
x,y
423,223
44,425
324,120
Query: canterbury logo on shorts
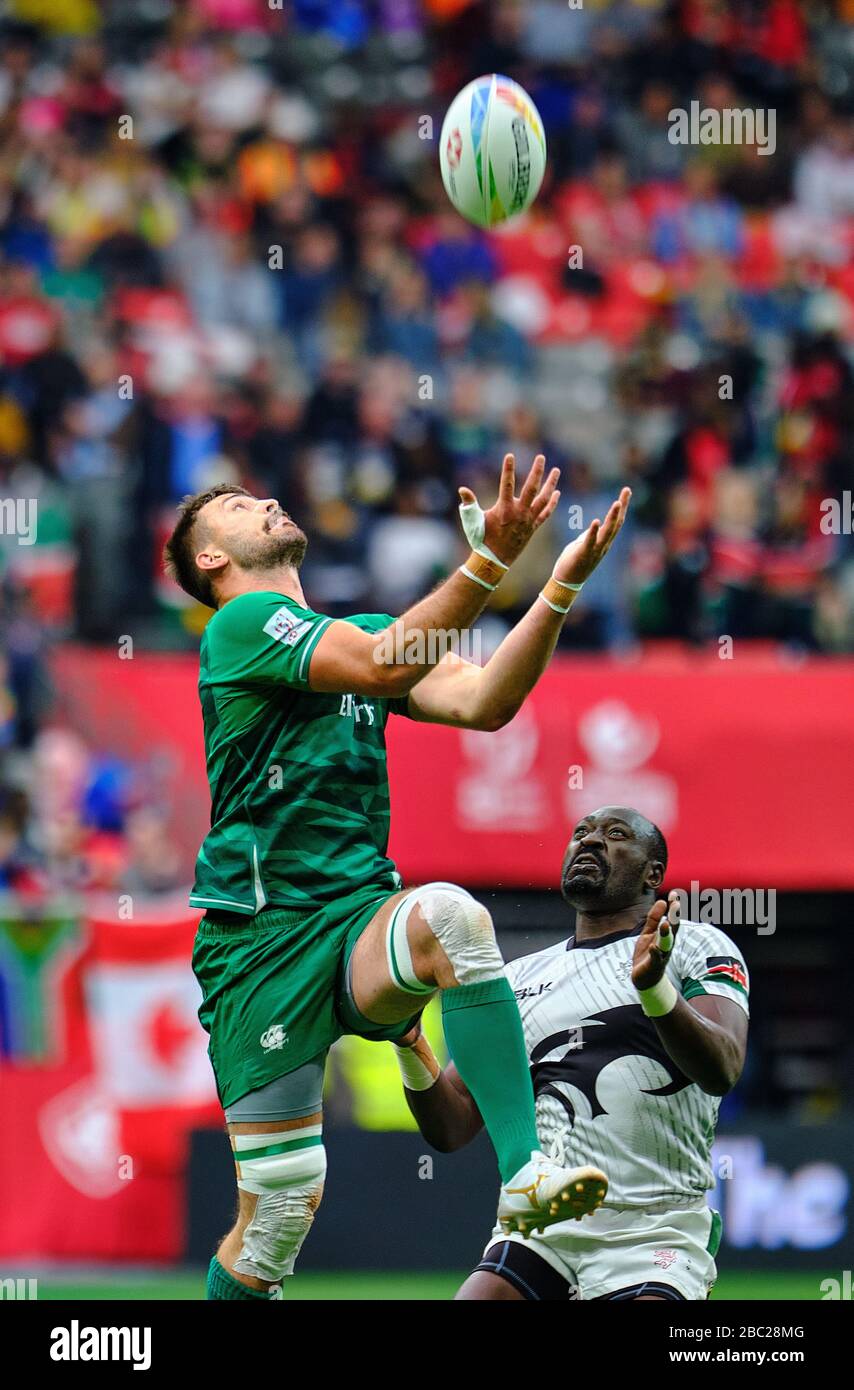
x,y
273,1038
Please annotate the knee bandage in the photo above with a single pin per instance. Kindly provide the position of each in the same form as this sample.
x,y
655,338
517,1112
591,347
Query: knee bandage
x,y
461,925
286,1172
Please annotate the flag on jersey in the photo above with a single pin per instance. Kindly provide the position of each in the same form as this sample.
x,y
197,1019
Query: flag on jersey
x,y
724,970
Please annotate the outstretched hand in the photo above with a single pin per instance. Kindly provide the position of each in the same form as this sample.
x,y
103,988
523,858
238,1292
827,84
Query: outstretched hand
x,y
580,558
511,522
656,941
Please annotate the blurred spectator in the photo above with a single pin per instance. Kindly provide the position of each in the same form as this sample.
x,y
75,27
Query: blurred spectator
x,y
153,859
261,278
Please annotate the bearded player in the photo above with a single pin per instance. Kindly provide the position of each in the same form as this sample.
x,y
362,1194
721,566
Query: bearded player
x,y
308,932
635,1027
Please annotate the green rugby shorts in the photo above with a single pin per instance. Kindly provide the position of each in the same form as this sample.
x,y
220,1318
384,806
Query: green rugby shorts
x,y
274,988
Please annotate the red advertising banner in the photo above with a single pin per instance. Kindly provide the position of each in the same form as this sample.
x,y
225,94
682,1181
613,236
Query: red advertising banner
x,y
739,761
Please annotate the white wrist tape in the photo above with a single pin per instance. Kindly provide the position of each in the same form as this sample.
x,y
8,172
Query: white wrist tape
x,y
474,524
660,999
415,1072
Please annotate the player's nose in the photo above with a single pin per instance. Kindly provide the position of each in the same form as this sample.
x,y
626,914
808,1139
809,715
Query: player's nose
x,y
594,841
593,837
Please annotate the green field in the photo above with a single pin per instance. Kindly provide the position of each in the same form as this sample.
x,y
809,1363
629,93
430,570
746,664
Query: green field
x,y
379,1287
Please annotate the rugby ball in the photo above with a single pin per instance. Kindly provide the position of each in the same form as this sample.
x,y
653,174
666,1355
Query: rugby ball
x,y
492,150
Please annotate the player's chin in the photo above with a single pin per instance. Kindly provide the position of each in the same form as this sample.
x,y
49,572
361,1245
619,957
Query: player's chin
x,y
288,546
583,885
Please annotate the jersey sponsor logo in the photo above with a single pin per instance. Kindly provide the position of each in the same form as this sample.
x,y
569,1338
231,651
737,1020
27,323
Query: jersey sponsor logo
x,y
727,969
287,627
664,1258
360,710
274,1038
532,991
624,1032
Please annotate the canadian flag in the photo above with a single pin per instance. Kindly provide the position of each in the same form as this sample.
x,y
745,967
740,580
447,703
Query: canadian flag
x,y
148,1047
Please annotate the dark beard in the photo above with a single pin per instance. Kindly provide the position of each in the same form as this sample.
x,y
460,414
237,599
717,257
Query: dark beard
x,y
581,892
272,552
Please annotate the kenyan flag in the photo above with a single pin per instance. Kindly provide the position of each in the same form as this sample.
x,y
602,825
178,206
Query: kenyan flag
x,y
728,970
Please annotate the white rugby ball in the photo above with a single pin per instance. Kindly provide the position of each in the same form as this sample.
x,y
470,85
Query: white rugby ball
x,y
492,150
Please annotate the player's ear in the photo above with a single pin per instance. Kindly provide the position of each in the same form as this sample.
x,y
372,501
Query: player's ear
x,y
654,875
211,559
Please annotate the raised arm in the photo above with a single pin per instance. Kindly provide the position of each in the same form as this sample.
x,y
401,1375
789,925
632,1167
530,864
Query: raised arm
x,y
467,696
391,663
706,1036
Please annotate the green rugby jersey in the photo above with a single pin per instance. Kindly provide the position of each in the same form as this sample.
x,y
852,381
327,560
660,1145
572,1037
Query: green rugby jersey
x,y
299,786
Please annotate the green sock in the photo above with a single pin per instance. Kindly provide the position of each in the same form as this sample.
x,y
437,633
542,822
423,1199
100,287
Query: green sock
x,y
483,1031
223,1286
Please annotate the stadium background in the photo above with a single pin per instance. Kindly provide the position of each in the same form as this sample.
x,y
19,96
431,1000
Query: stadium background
x,y
259,279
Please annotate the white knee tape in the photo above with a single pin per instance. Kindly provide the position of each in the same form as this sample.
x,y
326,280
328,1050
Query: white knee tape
x,y
398,954
288,1183
461,925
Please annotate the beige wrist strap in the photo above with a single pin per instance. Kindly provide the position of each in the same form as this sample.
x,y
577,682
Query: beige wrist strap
x,y
558,595
484,572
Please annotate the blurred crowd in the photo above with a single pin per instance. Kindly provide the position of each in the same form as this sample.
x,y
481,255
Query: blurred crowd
x,y
225,253
84,823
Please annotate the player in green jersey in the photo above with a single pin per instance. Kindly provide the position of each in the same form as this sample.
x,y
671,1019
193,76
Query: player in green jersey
x,y
308,932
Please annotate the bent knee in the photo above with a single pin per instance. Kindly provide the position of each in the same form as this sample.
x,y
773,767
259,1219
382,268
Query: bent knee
x,y
463,928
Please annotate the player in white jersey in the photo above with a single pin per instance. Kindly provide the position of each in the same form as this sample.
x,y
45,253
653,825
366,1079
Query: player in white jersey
x,y
635,1027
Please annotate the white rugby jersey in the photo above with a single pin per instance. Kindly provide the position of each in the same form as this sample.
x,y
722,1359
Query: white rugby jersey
x,y
607,1092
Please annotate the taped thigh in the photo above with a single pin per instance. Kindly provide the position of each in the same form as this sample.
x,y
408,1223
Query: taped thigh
x,y
461,925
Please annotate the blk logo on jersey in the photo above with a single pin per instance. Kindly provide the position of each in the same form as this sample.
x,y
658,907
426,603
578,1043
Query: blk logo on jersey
x,y
532,991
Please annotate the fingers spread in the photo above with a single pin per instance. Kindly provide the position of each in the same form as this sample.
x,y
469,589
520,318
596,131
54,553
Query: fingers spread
x,y
611,529
532,483
507,485
547,510
546,492
654,916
